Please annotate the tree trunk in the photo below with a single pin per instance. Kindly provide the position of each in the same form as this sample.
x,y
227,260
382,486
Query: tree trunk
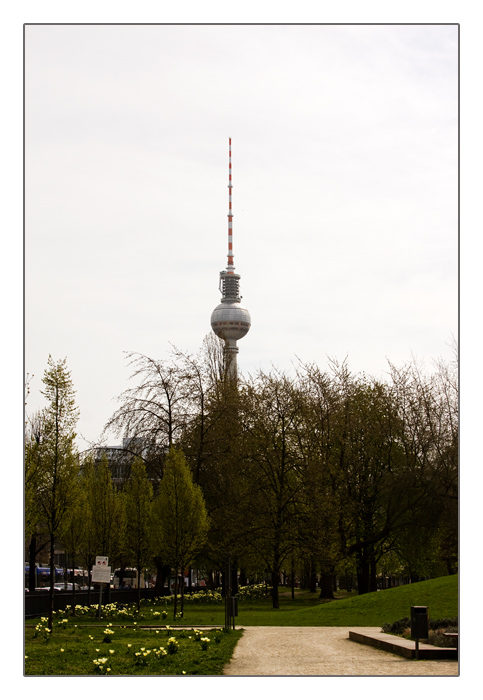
x,y
140,568
89,584
73,589
313,580
175,608
32,554
275,577
162,573
373,577
234,577
52,583
326,589
243,578
363,573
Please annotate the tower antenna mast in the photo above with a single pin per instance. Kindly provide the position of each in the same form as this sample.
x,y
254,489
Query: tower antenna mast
x,y
230,267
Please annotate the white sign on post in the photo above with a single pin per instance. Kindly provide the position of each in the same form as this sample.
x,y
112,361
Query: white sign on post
x,y
101,572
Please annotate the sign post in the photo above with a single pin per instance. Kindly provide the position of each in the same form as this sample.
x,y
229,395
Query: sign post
x,y
101,573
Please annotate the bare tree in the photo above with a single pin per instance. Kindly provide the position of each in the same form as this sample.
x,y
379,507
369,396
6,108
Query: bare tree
x,y
152,414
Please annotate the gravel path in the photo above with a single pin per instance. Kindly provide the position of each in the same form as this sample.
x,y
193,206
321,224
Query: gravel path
x,y
321,651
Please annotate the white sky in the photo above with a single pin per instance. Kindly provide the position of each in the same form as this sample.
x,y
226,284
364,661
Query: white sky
x,y
344,151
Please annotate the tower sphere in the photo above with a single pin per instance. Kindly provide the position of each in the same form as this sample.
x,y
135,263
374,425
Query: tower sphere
x,y
230,320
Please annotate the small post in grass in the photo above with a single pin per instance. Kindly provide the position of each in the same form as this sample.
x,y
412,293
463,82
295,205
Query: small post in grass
x,y
227,587
101,573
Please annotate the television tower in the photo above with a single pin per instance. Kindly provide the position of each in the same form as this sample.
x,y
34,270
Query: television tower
x,y
230,320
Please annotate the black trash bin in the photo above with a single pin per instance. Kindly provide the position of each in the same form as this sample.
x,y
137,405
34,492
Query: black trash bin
x,y
419,622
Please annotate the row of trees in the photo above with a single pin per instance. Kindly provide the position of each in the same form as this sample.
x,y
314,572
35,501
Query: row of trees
x,y
72,500
323,472
313,473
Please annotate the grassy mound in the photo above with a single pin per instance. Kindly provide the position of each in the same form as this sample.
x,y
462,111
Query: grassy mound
x,y
373,609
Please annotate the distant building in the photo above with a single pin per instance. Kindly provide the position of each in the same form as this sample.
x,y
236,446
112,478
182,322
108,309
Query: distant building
x,y
120,458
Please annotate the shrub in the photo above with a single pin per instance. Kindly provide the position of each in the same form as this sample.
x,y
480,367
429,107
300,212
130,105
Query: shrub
x,y
253,591
437,637
444,623
397,627
436,629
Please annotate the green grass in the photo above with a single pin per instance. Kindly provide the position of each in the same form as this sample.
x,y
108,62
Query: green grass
x,y
81,637
369,610
71,650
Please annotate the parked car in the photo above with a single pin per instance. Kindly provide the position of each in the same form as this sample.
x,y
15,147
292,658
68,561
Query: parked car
x,y
60,587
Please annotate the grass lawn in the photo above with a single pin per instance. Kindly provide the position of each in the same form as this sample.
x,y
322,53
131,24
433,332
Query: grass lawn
x,y
373,609
73,648
77,641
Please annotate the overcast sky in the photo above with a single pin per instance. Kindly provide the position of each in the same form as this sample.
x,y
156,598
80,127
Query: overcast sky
x,y
345,174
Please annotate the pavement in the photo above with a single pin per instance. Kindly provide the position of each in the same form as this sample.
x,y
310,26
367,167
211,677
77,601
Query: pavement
x,y
322,651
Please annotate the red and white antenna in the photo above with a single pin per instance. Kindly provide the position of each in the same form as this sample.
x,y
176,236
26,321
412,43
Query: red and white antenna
x,y
230,267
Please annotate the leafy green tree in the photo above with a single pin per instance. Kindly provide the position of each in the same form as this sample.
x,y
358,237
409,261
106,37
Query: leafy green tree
x,y
318,528
181,518
58,470
72,536
271,422
33,434
138,498
34,529
87,545
104,508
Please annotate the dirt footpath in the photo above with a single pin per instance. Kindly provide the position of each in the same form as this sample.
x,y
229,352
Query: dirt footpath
x,y
321,651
